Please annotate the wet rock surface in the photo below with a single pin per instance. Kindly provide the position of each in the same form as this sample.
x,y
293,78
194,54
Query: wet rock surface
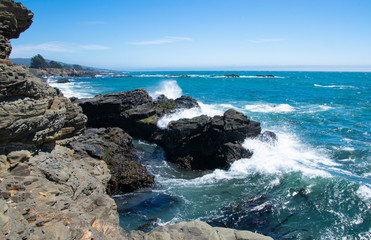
x,y
208,143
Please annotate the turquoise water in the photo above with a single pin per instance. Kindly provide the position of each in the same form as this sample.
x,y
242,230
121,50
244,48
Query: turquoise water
x,y
315,183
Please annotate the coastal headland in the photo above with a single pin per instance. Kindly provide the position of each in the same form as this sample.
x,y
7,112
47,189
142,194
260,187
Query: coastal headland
x,y
60,160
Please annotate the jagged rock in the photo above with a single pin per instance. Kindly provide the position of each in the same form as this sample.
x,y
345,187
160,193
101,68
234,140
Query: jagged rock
x,y
116,148
198,143
195,230
31,112
62,197
14,19
134,111
208,143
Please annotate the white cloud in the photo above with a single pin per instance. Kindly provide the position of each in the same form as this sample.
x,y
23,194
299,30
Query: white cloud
x,y
56,47
44,47
95,47
162,41
267,40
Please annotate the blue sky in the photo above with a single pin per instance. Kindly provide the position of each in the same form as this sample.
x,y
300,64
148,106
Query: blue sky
x,y
201,34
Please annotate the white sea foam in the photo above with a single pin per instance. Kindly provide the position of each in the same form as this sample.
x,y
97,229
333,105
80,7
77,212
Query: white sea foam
x,y
266,108
168,88
336,86
288,155
204,109
71,89
364,192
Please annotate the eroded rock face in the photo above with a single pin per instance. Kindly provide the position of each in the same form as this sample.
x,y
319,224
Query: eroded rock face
x,y
31,112
56,195
14,19
116,148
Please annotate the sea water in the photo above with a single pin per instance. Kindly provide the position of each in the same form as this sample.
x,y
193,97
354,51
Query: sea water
x,y
314,183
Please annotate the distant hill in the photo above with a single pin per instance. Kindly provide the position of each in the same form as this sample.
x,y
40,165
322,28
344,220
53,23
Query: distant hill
x,y
27,62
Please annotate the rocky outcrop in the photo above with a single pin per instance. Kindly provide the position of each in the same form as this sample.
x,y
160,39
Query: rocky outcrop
x,y
31,112
14,19
208,143
134,111
198,143
116,148
56,195
195,230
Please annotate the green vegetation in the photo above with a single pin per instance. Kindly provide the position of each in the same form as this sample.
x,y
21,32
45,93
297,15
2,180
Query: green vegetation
x,y
169,105
77,67
54,64
38,62
148,120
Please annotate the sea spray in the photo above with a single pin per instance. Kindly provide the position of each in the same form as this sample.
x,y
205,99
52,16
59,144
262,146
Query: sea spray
x,y
168,88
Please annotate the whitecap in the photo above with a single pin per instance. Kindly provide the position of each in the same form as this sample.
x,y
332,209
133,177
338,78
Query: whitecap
x,y
266,108
336,86
204,109
364,192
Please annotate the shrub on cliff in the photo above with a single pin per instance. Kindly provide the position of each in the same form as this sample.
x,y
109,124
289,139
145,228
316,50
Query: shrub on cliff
x,y
38,62
54,64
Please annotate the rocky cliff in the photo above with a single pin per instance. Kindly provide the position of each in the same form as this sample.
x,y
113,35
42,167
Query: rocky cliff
x,y
31,112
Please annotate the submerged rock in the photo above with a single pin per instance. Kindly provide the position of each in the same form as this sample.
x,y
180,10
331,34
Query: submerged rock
x,y
63,80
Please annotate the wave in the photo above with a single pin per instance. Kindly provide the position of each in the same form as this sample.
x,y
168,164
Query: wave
x,y
198,76
336,86
72,89
266,108
204,109
169,88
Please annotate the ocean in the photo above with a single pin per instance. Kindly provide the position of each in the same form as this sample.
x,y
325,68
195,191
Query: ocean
x,y
314,183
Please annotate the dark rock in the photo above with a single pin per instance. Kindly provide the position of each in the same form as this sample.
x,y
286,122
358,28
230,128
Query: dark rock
x,y
270,76
268,136
232,75
63,80
208,143
116,148
134,111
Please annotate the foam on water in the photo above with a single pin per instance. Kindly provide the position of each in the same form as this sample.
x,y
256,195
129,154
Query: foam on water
x,y
336,86
168,88
204,109
266,108
71,89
